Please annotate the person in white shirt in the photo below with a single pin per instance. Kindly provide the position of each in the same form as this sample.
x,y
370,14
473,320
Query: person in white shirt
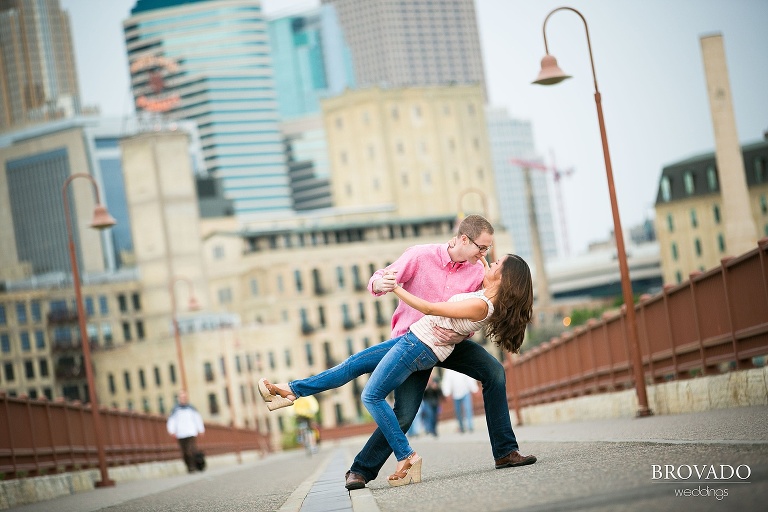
x,y
460,387
186,424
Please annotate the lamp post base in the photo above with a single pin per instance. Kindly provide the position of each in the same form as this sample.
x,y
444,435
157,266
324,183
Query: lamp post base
x,y
105,483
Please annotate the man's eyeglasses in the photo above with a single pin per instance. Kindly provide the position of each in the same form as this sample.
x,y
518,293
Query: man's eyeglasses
x,y
481,248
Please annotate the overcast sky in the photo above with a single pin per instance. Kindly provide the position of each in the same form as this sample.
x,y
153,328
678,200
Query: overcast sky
x,y
649,70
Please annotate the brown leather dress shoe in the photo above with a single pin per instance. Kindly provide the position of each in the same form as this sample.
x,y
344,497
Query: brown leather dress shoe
x,y
515,459
354,481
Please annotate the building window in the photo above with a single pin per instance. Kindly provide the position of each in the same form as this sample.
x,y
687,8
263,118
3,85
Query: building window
x,y
218,252
136,299
142,379
666,189
674,251
689,183
122,303
111,381
310,354
127,381
225,295
271,360
697,246
670,223
139,329
395,113
39,340
678,277
254,287
361,310
26,346
694,219
29,369
297,279
5,343
89,307
103,305
36,313
350,347
287,358
711,178
172,373
340,276
759,169
158,381
213,404
106,332
9,374
721,242
716,213
238,365
3,319
208,371
160,405
43,364
126,331
21,313
763,205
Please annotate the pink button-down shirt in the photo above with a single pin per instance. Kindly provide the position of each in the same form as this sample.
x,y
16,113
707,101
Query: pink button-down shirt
x,y
428,272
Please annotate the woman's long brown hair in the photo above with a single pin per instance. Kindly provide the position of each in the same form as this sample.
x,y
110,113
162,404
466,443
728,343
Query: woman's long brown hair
x,y
513,305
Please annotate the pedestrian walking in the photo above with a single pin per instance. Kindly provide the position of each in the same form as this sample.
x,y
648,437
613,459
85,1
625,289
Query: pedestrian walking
x,y
460,387
186,425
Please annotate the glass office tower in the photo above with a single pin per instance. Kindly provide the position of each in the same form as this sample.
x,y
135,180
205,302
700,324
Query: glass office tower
x,y
209,61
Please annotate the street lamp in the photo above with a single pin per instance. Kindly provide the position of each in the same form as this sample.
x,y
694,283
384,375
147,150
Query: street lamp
x,y
551,74
101,220
193,306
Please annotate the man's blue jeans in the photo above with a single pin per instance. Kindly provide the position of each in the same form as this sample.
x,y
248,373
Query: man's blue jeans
x,y
470,359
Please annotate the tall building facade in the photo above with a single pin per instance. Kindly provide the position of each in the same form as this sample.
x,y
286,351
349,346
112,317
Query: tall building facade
x,y
690,211
209,61
38,80
513,138
419,42
311,60
419,151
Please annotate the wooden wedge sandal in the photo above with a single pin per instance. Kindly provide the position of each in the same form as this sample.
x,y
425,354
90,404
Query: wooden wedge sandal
x,y
409,474
274,397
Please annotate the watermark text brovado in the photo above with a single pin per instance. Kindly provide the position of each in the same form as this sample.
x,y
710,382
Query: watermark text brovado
x,y
701,480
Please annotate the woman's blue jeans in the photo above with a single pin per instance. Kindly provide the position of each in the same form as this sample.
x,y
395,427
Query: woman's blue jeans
x,y
354,366
407,356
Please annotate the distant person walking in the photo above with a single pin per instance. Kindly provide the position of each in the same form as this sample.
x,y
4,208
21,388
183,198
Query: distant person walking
x,y
186,424
431,404
460,387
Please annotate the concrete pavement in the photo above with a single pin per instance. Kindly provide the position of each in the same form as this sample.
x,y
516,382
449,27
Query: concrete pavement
x,y
599,465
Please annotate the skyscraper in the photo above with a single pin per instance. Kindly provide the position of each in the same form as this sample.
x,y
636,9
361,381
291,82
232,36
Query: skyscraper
x,y
513,138
418,42
209,61
311,60
38,80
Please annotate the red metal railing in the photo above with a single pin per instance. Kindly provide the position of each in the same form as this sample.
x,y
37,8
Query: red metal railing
x,y
40,437
717,318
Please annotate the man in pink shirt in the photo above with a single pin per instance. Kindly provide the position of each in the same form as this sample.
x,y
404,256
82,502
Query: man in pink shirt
x,y
435,272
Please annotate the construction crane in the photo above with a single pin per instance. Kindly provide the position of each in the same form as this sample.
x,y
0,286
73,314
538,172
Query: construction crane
x,y
557,174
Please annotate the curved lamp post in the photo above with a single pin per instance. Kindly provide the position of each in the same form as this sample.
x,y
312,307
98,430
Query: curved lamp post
x,y
101,220
193,306
551,74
